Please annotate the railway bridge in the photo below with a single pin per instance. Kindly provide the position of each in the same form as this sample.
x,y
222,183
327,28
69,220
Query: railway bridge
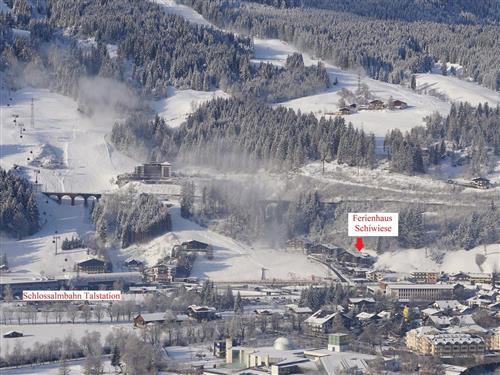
x,y
60,195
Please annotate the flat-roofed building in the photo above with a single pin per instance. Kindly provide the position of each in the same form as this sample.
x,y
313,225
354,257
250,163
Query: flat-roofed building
x,y
420,292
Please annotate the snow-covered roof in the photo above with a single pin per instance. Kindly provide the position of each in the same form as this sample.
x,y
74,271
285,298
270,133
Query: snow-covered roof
x,y
364,316
359,300
430,311
440,320
320,317
448,304
454,339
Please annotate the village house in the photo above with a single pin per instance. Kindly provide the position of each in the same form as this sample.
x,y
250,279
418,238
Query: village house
x,y
298,311
322,321
153,172
481,183
493,339
343,111
425,277
12,334
162,272
134,265
480,278
376,104
398,104
143,320
92,266
201,313
362,304
198,246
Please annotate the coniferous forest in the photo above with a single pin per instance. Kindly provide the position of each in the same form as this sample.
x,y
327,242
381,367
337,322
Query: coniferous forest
x,y
381,37
18,206
129,219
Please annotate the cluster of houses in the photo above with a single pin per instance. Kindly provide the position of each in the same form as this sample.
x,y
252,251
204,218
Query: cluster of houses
x,y
331,253
371,106
177,264
193,312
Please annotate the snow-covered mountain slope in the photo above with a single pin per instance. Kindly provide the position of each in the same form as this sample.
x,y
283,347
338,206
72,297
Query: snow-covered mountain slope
x,y
379,121
88,161
34,256
457,90
232,261
453,261
171,7
178,104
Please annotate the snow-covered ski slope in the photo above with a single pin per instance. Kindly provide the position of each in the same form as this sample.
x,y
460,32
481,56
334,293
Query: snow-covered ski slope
x,y
78,142
233,260
34,256
178,104
89,163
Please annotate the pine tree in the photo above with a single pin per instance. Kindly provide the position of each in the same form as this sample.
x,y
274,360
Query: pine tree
x,y
115,357
238,304
413,83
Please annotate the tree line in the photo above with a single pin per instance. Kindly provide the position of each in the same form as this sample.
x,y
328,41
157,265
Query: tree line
x,y
18,207
455,12
239,133
388,50
467,132
154,50
129,219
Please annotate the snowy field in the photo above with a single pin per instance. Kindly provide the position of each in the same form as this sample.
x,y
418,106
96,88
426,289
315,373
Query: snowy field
x,y
88,161
457,90
179,104
171,7
233,260
74,367
378,121
43,333
34,256
454,261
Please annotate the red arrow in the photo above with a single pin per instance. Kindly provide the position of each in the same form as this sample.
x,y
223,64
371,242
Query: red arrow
x,y
359,244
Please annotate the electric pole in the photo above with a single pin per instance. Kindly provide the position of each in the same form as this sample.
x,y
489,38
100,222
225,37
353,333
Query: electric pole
x,y
32,119
54,241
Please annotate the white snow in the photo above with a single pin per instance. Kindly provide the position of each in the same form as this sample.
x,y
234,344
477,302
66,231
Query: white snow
x,y
454,261
457,90
171,7
112,50
34,256
74,366
233,260
20,33
380,121
43,333
179,104
90,162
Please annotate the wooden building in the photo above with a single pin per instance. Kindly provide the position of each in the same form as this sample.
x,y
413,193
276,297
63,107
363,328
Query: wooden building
x,y
201,313
92,266
481,183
